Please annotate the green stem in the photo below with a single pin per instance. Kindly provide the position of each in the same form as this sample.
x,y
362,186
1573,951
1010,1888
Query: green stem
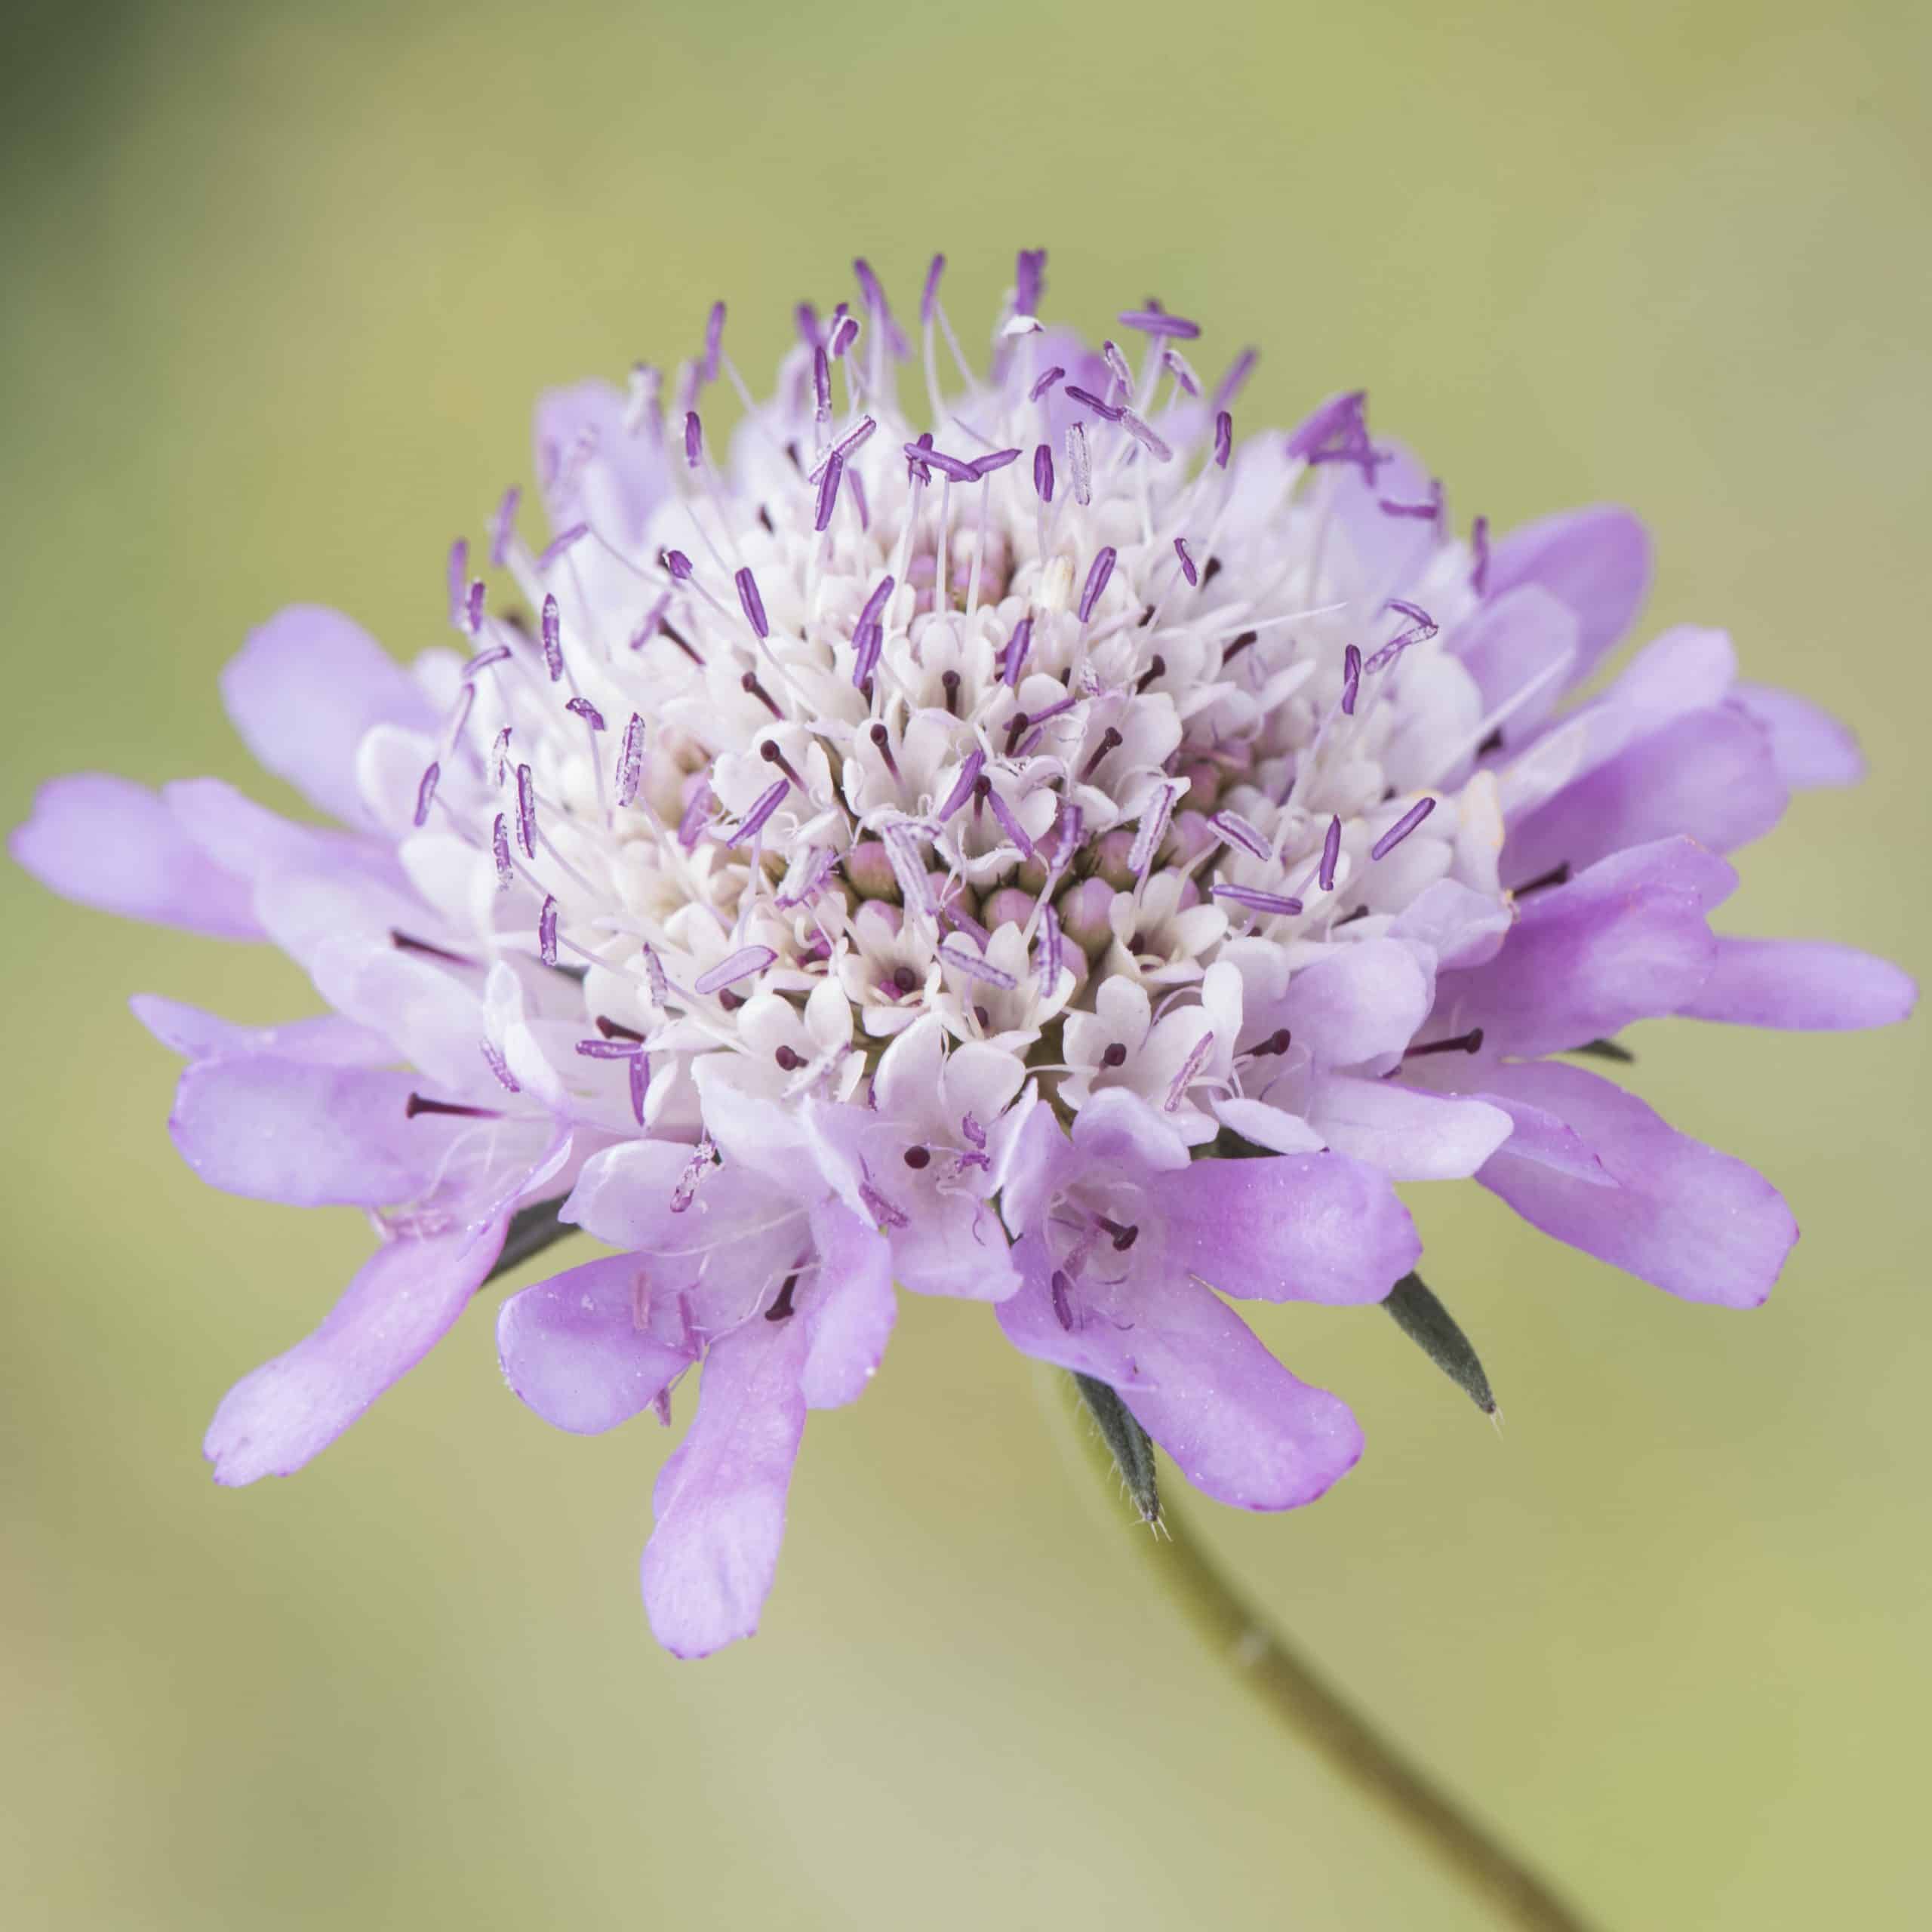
x,y
1306,1705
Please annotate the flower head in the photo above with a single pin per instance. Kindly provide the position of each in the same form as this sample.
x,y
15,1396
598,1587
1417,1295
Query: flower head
x,y
993,828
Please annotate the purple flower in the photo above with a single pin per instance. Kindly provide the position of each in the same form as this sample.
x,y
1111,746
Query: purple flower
x,y
877,866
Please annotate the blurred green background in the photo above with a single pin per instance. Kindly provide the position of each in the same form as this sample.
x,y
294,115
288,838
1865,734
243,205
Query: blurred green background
x,y
280,283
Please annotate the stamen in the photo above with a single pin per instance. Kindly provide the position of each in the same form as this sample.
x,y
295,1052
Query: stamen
x,y
1079,464
678,564
740,965
1184,1078
1062,1298
473,613
1110,740
1044,382
1049,951
639,1074
427,790
546,932
502,527
1153,829
1016,730
1351,680
975,967
1238,831
499,848
750,684
553,649
828,497
564,541
526,812
1098,573
1277,1042
1016,647
1105,411
1125,1234
1158,322
1331,851
1224,439
630,762
1401,830
582,707
1011,825
484,659
714,336
1232,384
760,814
962,789
781,1309
949,683
754,605
985,466
1470,1042
1254,900
607,1049
1145,436
697,812
677,638
416,1104
882,742
499,1066
1187,569
693,439
1479,558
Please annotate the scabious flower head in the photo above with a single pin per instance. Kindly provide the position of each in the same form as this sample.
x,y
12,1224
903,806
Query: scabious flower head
x,y
985,826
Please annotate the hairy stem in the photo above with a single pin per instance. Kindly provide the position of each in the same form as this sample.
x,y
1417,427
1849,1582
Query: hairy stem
x,y
1310,1708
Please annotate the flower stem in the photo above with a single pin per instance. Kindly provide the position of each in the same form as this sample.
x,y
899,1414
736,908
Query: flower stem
x,y
1306,1705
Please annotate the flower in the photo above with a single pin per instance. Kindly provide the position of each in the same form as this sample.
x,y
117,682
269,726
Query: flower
x,y
1024,844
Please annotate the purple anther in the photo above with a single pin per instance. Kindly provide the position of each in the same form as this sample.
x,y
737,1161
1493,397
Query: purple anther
x,y
741,965
975,967
868,641
526,812
427,790
1401,830
473,611
844,333
1049,951
828,494
1254,899
821,387
500,849
768,801
582,707
546,932
1184,1077
1098,572
553,646
1336,432
753,604
902,853
563,541
1105,411
921,454
1224,439
630,762
962,788
678,564
693,439
1187,569
1177,366
1070,824
1016,647
1238,831
1479,555
1117,366
1157,322
639,1075
929,295
1239,370
1011,825
459,580
1079,463
1153,445
1154,818
1351,680
697,812
653,975
1043,473
1331,851
1061,1290
714,337
1429,512
1029,281
503,527
608,1049
985,466
493,1060
804,319
1044,382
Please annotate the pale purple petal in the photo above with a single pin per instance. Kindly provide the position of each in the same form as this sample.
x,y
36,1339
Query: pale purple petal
x,y
1811,985
305,689
847,1308
326,1040
1596,560
1810,747
400,1305
1523,641
113,844
578,1350
1408,1134
1708,775
1626,940
720,1500
1354,1003
1239,1426
1694,1221
1287,1227
307,1135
